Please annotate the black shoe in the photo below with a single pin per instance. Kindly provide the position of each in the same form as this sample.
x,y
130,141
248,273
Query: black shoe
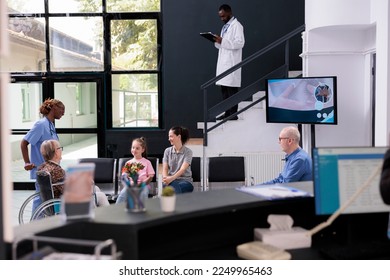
x,y
234,118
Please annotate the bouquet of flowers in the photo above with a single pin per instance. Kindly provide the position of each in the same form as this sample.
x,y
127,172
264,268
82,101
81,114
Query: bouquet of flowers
x,y
136,192
130,170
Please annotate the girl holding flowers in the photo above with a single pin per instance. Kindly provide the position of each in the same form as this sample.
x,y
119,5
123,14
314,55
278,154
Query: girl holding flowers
x,y
138,170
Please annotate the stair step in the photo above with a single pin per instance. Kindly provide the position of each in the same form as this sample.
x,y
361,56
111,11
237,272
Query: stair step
x,y
200,125
294,73
258,95
243,104
195,141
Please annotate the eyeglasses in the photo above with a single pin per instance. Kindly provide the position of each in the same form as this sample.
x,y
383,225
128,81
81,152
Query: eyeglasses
x,y
60,148
281,138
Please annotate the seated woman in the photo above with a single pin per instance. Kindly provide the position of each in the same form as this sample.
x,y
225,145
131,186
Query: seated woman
x,y
52,154
177,161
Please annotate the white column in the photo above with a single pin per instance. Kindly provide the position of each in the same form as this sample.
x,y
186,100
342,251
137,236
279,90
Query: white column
x,y
5,172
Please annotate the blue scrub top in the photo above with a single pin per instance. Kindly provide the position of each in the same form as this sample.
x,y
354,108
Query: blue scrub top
x,y
42,130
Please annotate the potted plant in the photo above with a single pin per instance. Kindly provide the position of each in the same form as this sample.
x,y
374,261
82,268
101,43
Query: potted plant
x,y
168,199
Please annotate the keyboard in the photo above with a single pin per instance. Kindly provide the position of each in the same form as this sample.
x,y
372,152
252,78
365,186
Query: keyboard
x,y
372,250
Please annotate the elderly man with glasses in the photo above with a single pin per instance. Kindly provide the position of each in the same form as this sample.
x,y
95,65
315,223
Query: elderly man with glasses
x,y
298,165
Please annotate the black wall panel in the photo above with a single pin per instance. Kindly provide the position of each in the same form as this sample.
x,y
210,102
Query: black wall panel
x,y
188,60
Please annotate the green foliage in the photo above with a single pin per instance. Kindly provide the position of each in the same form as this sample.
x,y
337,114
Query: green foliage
x,y
120,5
133,41
89,5
168,191
134,47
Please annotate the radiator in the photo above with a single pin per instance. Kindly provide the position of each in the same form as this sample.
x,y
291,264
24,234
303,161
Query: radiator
x,y
261,167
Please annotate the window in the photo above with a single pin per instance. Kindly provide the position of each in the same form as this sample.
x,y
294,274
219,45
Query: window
x,y
90,54
80,104
27,97
133,6
136,97
77,44
134,44
27,44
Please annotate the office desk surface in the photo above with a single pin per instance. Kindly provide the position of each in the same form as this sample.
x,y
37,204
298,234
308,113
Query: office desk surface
x,y
187,205
201,220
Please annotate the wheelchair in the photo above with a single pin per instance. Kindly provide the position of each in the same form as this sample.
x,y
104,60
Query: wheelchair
x,y
49,207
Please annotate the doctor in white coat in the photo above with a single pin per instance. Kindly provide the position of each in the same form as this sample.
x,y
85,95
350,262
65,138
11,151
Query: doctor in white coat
x,y
229,46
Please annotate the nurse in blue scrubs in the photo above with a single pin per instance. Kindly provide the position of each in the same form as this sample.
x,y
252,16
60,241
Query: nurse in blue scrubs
x,y
43,129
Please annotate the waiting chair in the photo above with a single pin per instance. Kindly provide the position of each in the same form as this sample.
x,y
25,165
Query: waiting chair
x,y
153,160
196,167
226,172
105,174
49,205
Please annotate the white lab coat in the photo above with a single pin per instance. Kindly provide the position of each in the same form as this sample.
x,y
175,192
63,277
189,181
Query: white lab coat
x,y
230,53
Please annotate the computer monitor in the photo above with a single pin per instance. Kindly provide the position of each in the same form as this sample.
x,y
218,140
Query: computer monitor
x,y
340,172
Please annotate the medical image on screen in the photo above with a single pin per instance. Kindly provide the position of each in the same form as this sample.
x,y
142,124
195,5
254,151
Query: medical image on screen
x,y
302,100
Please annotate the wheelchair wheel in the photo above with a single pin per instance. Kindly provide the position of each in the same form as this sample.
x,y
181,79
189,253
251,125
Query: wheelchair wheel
x,y
46,209
25,211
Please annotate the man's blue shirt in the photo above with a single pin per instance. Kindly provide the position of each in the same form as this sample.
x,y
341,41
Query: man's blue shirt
x,y
298,167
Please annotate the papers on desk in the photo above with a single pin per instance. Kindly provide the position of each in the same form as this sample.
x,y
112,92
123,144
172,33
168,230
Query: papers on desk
x,y
273,192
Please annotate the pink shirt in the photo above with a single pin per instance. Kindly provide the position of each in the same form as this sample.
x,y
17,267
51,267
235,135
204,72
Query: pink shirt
x,y
146,172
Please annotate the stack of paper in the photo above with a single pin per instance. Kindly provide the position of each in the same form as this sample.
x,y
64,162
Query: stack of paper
x,y
272,192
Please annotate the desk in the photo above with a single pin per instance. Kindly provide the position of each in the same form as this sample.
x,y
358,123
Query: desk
x,y
208,225
202,227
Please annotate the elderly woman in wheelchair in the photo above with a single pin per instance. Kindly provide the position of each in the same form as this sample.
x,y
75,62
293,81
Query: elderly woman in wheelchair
x,y
51,177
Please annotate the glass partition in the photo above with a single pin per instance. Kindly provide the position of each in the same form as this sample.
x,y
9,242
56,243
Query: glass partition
x,y
75,6
134,44
80,112
135,100
27,44
76,146
25,99
76,44
30,6
79,99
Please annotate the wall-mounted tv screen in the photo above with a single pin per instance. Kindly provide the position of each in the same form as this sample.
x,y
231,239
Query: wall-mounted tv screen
x,y
302,100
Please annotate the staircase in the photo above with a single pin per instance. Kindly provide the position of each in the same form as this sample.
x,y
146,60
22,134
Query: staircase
x,y
249,136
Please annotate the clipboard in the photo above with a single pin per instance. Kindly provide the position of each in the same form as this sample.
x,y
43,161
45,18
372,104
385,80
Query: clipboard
x,y
209,36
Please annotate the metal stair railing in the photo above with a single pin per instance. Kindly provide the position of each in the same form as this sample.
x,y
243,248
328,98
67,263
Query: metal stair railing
x,y
247,92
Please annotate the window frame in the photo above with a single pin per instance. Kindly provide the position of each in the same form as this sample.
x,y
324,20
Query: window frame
x,y
107,61
107,69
